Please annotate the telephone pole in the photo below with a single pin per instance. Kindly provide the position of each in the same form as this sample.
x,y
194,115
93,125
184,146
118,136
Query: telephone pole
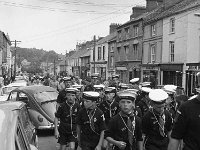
x,y
15,54
94,52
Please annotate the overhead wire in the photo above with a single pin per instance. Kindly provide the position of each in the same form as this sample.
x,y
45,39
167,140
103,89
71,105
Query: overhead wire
x,y
84,22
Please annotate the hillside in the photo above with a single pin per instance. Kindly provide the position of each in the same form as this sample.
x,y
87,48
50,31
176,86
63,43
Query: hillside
x,y
35,56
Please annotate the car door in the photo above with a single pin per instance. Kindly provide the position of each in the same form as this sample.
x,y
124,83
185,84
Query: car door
x,y
21,142
29,128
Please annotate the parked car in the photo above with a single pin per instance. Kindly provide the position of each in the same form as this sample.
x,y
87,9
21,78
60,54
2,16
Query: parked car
x,y
16,129
41,103
5,90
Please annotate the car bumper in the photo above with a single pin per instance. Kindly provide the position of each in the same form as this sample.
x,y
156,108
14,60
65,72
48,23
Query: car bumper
x,y
46,127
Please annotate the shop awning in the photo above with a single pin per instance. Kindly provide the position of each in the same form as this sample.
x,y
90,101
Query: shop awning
x,y
121,68
171,67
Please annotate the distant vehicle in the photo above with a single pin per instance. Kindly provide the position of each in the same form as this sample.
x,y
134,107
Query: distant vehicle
x,y
16,129
41,103
5,90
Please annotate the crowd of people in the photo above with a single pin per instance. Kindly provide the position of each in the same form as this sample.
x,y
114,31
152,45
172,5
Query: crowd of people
x,y
92,115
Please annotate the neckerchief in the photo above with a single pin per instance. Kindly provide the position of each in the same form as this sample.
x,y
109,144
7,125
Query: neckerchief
x,y
130,125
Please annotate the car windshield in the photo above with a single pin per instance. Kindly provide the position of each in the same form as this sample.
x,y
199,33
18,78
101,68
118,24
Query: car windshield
x,y
46,96
7,90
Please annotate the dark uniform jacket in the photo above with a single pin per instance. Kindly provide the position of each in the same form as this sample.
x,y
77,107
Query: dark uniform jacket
x,y
61,96
118,130
143,106
150,127
67,115
187,124
109,109
90,128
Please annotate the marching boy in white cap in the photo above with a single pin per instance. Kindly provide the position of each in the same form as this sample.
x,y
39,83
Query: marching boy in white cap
x,y
157,122
135,83
124,129
90,123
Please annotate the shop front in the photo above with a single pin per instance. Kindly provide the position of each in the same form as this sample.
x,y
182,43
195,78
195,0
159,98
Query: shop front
x,y
191,79
150,73
128,70
172,74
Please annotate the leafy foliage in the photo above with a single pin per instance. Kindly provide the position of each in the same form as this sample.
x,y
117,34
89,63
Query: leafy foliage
x,y
35,57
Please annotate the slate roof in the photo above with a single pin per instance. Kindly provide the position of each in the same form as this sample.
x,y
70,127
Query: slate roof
x,y
107,38
161,12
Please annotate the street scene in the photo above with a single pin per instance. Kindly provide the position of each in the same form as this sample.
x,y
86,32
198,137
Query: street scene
x,y
100,75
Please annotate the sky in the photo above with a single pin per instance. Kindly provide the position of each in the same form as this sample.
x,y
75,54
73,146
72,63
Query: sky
x,y
60,24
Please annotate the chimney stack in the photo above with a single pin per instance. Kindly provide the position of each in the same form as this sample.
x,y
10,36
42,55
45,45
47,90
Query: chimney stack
x,y
113,27
137,11
152,4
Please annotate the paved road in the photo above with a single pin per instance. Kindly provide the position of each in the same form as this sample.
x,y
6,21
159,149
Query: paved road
x,y
47,141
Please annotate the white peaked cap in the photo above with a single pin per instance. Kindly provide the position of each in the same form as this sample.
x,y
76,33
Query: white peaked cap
x,y
158,95
99,86
146,89
170,88
134,80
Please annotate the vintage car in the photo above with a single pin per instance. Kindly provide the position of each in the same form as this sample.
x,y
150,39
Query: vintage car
x,y
5,90
41,103
16,129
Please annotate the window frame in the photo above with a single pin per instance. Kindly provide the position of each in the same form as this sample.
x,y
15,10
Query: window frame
x,y
104,52
171,51
99,53
135,51
172,25
153,30
153,53
135,30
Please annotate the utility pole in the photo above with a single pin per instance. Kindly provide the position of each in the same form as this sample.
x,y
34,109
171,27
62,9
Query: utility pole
x,y
54,67
15,54
94,52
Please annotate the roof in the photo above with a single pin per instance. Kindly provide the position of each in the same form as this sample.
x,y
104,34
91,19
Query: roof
x,y
160,12
134,20
36,89
8,120
107,38
85,53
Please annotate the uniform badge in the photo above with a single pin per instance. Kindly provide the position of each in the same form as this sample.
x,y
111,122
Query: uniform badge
x,y
123,129
103,117
75,110
95,119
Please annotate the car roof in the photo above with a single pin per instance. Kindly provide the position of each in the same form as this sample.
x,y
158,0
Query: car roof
x,y
36,89
8,120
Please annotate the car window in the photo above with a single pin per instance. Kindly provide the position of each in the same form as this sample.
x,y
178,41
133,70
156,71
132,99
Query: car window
x,y
13,96
46,96
6,90
23,97
24,117
20,139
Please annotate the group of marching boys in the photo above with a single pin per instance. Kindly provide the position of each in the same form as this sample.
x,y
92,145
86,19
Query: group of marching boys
x,y
96,117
